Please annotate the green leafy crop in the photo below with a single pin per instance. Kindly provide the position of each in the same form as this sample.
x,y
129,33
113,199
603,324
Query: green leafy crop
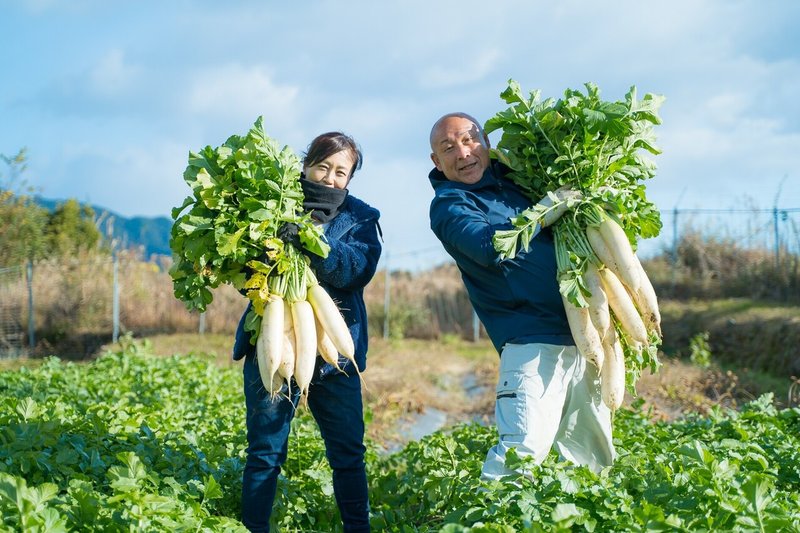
x,y
581,141
136,442
226,231
593,146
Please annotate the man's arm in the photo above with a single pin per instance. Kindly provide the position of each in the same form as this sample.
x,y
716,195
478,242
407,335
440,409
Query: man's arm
x,y
460,225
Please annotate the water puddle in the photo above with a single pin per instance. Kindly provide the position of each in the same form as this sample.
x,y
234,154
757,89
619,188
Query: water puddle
x,y
472,389
418,425
427,422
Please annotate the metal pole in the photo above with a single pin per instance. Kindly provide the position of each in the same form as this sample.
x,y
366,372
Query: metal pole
x,y
386,282
675,236
115,301
777,237
675,240
202,326
476,326
674,248
775,223
31,325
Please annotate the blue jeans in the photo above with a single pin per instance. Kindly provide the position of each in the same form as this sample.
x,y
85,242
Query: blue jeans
x,y
336,405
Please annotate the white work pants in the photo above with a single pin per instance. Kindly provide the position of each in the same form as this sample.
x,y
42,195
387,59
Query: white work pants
x,y
547,396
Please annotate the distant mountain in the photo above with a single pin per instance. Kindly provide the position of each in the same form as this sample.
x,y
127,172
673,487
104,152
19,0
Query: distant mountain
x,y
149,233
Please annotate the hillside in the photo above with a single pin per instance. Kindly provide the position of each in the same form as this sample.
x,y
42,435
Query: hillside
x,y
149,233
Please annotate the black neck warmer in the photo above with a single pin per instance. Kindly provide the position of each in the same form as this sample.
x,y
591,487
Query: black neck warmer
x,y
322,201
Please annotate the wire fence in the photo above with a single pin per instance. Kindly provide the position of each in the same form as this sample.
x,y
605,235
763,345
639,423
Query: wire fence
x,y
74,306
776,229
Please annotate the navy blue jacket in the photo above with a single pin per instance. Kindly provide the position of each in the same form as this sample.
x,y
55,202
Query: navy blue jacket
x,y
353,236
517,300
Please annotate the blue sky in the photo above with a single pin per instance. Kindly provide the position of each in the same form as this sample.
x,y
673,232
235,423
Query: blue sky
x,y
108,97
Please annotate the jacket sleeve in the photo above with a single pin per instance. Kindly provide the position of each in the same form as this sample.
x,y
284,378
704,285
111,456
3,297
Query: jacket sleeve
x,y
352,260
461,226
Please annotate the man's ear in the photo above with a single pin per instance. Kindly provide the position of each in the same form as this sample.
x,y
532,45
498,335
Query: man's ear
x,y
435,161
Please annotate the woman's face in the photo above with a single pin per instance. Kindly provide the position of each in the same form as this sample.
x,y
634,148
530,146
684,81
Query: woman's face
x,y
333,171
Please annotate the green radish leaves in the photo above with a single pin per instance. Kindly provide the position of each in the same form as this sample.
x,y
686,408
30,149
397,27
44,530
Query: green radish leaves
x,y
581,141
242,192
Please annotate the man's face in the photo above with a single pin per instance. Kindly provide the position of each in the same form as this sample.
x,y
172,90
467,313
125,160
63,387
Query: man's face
x,y
460,152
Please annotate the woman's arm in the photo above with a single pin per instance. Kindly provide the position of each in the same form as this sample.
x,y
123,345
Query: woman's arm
x,y
352,261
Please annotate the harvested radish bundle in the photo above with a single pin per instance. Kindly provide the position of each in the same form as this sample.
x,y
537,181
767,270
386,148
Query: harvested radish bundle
x,y
243,192
594,147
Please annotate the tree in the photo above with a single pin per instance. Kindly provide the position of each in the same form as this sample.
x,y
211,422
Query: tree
x,y
21,220
29,231
71,229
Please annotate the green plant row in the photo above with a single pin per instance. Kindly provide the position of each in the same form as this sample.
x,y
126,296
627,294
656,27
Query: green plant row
x,y
134,442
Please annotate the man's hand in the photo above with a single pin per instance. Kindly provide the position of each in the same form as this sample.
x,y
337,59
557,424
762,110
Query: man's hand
x,y
557,202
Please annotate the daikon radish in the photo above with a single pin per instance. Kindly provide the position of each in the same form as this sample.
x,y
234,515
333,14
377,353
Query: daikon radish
x,y
305,337
269,345
598,301
614,254
586,337
622,305
325,347
333,323
612,378
286,367
647,302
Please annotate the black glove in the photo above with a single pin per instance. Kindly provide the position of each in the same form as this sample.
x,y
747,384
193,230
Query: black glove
x,y
289,233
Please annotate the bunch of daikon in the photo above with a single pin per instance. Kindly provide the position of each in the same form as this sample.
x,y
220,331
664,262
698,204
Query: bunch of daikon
x,y
591,146
298,321
242,193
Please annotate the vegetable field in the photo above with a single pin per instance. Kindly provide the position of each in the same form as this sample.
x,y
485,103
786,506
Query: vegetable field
x,y
135,442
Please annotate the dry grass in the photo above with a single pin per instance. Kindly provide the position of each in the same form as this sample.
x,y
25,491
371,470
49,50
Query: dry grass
x,y
73,303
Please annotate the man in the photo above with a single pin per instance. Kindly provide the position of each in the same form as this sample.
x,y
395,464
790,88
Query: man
x,y
547,393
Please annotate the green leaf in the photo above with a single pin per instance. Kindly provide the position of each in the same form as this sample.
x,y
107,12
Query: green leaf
x,y
28,409
505,242
212,489
565,512
756,489
228,243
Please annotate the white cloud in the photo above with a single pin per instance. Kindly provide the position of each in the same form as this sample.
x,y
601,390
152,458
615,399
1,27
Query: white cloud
x,y
112,76
470,68
240,91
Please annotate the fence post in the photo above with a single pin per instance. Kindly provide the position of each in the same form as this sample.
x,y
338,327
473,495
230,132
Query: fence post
x,y
31,325
476,327
201,328
386,281
777,237
674,247
115,300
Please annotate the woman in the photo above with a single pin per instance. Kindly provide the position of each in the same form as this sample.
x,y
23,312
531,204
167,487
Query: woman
x,y
352,231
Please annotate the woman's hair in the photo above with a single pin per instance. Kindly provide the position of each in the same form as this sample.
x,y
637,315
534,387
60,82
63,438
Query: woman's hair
x,y
327,144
